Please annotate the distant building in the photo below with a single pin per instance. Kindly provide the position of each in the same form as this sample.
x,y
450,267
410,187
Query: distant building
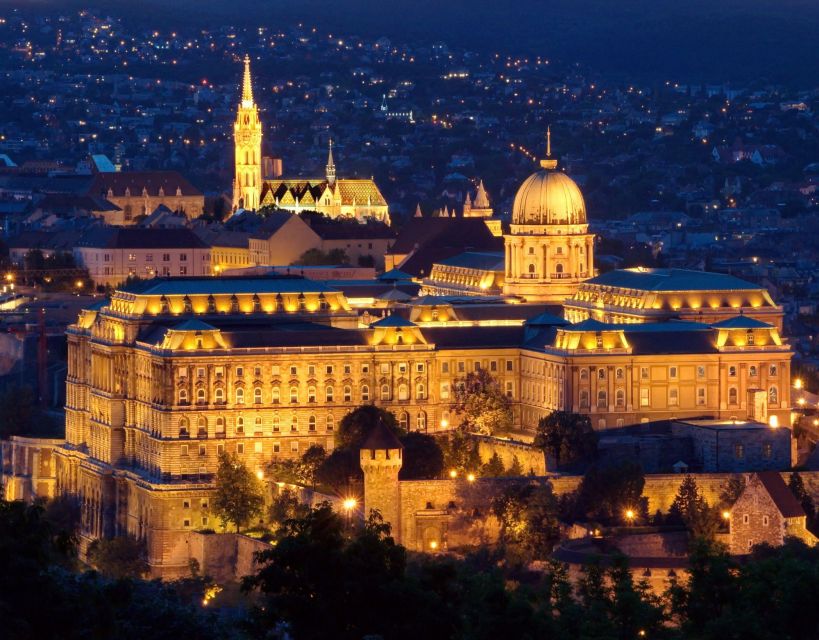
x,y
112,255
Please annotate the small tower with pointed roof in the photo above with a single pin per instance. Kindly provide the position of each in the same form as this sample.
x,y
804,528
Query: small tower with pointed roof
x,y
331,166
247,140
381,457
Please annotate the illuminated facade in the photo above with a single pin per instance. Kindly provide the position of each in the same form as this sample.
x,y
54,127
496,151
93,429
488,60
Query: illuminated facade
x,y
549,250
247,135
170,373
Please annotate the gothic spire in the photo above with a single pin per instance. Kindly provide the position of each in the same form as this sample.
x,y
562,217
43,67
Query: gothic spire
x,y
331,166
247,85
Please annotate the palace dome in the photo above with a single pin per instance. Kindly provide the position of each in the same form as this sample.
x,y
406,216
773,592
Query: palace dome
x,y
549,197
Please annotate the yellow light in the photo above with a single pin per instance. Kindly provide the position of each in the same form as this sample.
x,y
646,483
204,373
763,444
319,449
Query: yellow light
x,y
79,284
470,477
773,422
9,277
433,545
350,504
629,514
444,423
453,473
801,402
815,422
260,474
726,515
797,384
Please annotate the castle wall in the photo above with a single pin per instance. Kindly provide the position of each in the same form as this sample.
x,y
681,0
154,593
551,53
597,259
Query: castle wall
x,y
531,460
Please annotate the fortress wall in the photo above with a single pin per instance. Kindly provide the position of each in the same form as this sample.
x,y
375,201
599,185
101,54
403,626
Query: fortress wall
x,y
530,458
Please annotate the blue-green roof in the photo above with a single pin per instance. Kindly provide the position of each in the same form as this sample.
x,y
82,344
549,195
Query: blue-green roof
x,y
226,285
741,322
393,321
194,325
395,274
644,279
546,320
485,261
672,326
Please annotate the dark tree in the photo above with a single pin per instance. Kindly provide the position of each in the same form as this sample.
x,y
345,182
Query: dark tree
x,y
482,405
422,457
356,425
239,497
607,492
567,437
494,467
120,557
528,516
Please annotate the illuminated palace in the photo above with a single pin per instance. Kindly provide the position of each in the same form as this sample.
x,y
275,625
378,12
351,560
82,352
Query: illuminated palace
x,y
329,195
168,373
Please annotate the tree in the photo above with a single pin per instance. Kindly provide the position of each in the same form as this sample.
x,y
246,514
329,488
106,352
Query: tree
x,y
691,508
732,490
494,467
287,506
422,459
515,469
239,496
317,258
528,517
460,453
567,437
797,487
607,492
120,557
309,465
482,405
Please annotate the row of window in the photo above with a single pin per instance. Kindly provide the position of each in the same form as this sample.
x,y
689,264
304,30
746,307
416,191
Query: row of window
x,y
673,372
673,397
202,425
312,394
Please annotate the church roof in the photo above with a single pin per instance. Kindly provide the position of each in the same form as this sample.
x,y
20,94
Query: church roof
x,y
136,181
358,191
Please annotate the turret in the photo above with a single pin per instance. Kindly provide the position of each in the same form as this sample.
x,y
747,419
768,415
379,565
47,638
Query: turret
x,y
247,139
381,457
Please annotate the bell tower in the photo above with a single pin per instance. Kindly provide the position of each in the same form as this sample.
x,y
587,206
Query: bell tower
x,y
247,137
381,459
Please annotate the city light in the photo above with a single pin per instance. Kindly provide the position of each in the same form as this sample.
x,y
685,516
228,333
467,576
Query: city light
x,y
797,384
433,545
453,473
350,504
726,515
260,474
470,477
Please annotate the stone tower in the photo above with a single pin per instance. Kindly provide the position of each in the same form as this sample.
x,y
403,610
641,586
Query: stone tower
x,y
247,137
549,250
330,169
381,457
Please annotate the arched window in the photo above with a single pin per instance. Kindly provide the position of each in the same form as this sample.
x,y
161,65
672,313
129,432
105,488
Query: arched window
x,y
348,393
294,423
240,425
257,395
422,421
183,396
773,395
219,396
602,400
200,396
311,394
240,396
601,372
294,395
202,427
732,372
619,373
183,428
275,395
385,392
584,374
311,423
732,395
220,426
620,398
331,422
420,391
558,268
584,399
531,268
403,392
403,420
328,394
365,393
752,371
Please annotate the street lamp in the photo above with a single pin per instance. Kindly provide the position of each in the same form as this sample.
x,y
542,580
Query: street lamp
x,y
630,516
349,504
470,477
797,384
453,474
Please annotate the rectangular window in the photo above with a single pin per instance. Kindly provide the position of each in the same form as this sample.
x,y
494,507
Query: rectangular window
x,y
240,371
294,371
461,366
673,397
257,447
444,367
509,365
493,366
419,367
183,257
672,373
294,446
510,389
347,369
645,397
365,368
739,451
183,271
385,367
166,257
220,449
644,374
183,450
149,257
700,396
202,450
767,450
700,372
444,390
328,370
131,257
240,448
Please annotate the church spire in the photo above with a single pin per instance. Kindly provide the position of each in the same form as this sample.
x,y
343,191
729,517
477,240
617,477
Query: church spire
x,y
549,163
247,85
331,166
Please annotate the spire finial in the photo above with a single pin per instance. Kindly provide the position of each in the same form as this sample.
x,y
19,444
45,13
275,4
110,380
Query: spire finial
x,y
247,85
548,163
331,165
